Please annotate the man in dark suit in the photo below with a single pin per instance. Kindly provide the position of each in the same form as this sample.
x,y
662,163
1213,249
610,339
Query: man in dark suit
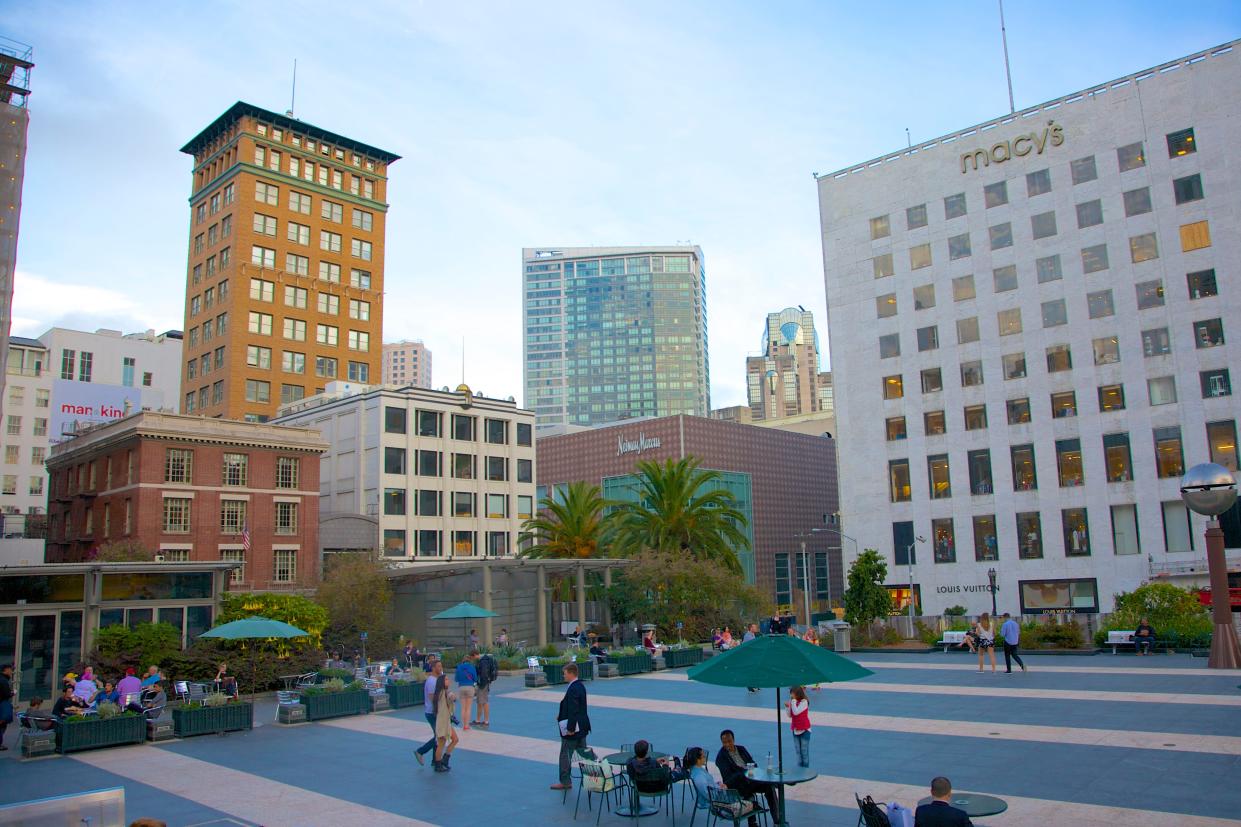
x,y
731,761
573,722
938,812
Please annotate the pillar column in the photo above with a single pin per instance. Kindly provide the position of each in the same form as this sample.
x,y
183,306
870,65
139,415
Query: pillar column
x,y
488,629
607,606
1225,651
581,596
540,602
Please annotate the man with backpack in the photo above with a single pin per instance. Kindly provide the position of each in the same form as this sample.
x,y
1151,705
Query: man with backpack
x,y
487,672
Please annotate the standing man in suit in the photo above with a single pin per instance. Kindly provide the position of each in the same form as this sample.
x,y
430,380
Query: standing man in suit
x,y
938,812
573,722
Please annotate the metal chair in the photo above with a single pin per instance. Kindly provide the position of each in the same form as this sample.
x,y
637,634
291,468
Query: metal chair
x,y
661,794
597,778
179,688
730,806
286,697
197,693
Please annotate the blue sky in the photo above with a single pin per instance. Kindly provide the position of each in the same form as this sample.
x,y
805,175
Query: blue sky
x,y
529,124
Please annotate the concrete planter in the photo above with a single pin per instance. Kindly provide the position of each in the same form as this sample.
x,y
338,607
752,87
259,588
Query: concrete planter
x,y
675,658
336,704
555,675
403,695
205,720
94,732
632,664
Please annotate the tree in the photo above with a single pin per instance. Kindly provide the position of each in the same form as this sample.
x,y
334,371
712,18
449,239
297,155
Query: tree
x,y
358,598
1169,608
122,551
293,609
574,526
679,511
866,598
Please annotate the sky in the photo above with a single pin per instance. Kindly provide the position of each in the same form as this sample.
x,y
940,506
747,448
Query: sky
x,y
528,125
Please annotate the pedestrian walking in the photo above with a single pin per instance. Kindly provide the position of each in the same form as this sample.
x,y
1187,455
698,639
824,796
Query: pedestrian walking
x,y
573,722
445,735
467,683
428,708
488,670
6,700
799,715
984,634
1010,630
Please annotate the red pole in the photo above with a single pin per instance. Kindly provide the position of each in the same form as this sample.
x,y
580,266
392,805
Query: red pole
x,y
1225,648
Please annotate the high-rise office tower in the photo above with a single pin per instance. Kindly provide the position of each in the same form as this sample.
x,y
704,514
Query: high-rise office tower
x,y
407,363
284,288
614,333
15,66
785,380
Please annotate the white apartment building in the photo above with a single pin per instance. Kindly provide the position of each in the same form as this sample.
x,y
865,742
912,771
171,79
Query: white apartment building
x,y
446,474
407,363
27,412
1032,323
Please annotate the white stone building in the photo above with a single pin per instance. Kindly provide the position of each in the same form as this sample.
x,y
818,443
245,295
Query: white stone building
x,y
1032,323
447,475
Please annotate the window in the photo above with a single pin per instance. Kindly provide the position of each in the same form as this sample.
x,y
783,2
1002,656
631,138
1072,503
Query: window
x,y
880,227
328,304
1181,143
1083,170
359,340
297,265
1063,404
962,288
1187,189
463,504
1043,225
463,467
325,367
1222,442
1014,365
1195,236
938,474
959,246
928,338
178,465
429,503
495,431
1009,321
525,434
924,297
176,515
889,345
10,487
363,220
945,540
287,472
293,362
1089,214
463,427
1130,157
1025,477
359,372
235,467
360,310
497,506
932,380
980,472
265,224
1055,313
1018,410
291,393
195,305
885,305
967,330
329,241
1117,458
1177,536
394,501
919,256
1162,390
1029,535
1208,333
429,464
1004,278
934,423
42,397
954,206
497,469
995,195
975,417
525,470
1001,235
985,546
263,257
1137,202
1100,304
40,426
1076,532
284,565
895,428
1111,398
295,297
326,334
394,460
1156,342
1106,350
882,265
971,373
258,391
1143,247
1169,460
1038,182
1125,539
395,420
915,217
893,387
429,424
1202,284
331,211
329,272
262,290
286,518
1094,258
1215,383
898,481
360,249
295,330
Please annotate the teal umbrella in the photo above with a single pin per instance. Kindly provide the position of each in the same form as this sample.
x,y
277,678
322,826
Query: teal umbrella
x,y
464,611
254,627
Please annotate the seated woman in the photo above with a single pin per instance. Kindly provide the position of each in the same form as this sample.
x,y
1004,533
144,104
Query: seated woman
x,y
696,770
86,690
726,638
226,682
716,638
648,643
394,671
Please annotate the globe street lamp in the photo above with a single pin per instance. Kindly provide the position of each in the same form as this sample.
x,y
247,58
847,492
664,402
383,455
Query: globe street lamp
x,y
991,577
1210,490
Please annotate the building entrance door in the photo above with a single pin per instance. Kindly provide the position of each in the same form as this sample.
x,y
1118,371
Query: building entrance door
x,y
36,664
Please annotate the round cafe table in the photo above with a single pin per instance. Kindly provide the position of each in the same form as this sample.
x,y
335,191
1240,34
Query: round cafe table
x,y
620,759
975,805
790,776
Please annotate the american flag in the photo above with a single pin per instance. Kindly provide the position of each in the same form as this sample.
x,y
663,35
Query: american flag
x,y
245,538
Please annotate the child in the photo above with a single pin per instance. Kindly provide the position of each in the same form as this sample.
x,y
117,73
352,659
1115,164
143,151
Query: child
x,y
799,712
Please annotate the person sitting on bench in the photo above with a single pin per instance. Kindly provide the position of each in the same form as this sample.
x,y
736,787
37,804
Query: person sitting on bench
x,y
1143,638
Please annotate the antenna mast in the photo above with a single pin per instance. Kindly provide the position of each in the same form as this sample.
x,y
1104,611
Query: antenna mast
x,y
293,97
1008,73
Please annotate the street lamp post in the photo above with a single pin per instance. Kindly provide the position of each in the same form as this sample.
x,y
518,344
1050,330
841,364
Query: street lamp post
x,y
805,564
909,558
991,577
1210,490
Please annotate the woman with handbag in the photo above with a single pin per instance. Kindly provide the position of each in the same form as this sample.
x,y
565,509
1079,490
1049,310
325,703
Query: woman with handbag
x,y
984,634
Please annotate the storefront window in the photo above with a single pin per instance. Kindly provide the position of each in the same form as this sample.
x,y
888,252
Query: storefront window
x,y
945,540
985,547
187,586
1076,532
1029,536
1059,596
42,588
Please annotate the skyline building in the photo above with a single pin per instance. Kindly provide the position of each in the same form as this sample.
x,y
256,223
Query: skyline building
x,y
612,333
15,66
1032,323
785,380
284,283
407,362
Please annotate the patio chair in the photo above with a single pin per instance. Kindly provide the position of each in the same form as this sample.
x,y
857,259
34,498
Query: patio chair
x,y
179,688
286,697
870,813
197,693
597,778
575,760
731,807
658,790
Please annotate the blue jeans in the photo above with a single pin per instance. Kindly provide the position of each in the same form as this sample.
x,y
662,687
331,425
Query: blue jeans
x,y
802,741
429,745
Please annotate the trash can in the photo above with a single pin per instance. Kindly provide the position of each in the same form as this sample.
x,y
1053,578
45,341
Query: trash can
x,y
840,636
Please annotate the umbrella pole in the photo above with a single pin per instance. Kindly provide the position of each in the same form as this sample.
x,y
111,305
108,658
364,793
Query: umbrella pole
x,y
780,758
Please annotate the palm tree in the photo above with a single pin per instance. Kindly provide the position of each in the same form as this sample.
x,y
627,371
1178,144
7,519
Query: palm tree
x,y
575,526
678,510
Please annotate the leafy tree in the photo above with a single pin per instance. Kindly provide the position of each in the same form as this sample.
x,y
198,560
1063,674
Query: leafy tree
x,y
118,647
293,609
574,526
677,511
1173,611
358,598
866,598
122,551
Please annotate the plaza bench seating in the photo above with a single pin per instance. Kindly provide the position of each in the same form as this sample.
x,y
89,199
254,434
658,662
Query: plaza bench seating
x,y
1117,638
951,639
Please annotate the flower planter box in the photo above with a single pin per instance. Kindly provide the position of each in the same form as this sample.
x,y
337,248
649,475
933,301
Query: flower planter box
x,y
632,664
555,671
674,658
94,732
336,704
402,695
205,720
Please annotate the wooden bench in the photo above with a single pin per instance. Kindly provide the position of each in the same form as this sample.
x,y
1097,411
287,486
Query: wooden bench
x,y
1117,638
951,639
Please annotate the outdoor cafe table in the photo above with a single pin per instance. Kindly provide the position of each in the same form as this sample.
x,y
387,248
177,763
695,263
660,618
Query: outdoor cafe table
x,y
620,759
975,805
790,776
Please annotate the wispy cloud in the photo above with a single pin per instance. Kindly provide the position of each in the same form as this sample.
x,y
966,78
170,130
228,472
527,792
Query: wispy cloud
x,y
40,303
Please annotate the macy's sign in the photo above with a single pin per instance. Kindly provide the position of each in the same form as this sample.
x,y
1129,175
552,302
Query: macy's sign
x,y
1036,142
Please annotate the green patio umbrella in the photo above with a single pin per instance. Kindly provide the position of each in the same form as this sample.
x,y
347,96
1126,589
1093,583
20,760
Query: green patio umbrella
x,y
254,627
465,610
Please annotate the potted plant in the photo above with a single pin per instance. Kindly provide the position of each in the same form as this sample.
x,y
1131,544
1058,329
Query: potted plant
x,y
682,654
630,660
109,727
216,714
553,668
334,698
406,692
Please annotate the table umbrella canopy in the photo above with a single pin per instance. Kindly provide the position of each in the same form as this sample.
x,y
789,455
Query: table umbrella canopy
x,y
254,627
463,611
776,660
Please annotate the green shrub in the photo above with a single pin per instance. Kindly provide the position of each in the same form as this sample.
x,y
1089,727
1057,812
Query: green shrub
x,y
215,699
549,651
341,674
926,634
106,710
1175,613
954,611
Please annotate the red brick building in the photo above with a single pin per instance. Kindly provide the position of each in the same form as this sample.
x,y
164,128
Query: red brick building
x,y
192,489
785,481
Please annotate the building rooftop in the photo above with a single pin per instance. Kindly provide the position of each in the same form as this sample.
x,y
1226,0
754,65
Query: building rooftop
x,y
22,341
241,109
339,392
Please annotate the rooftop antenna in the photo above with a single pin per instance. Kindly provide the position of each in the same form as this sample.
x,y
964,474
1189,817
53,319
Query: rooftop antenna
x,y
463,360
908,141
1008,73
293,97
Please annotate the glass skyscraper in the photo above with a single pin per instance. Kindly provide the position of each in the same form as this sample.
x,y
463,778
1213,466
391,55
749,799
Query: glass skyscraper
x,y
614,333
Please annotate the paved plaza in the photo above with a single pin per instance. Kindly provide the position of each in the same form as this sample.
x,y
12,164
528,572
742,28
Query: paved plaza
x,y
1101,740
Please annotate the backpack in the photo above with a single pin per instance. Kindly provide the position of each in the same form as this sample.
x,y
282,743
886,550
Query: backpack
x,y
872,813
487,670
